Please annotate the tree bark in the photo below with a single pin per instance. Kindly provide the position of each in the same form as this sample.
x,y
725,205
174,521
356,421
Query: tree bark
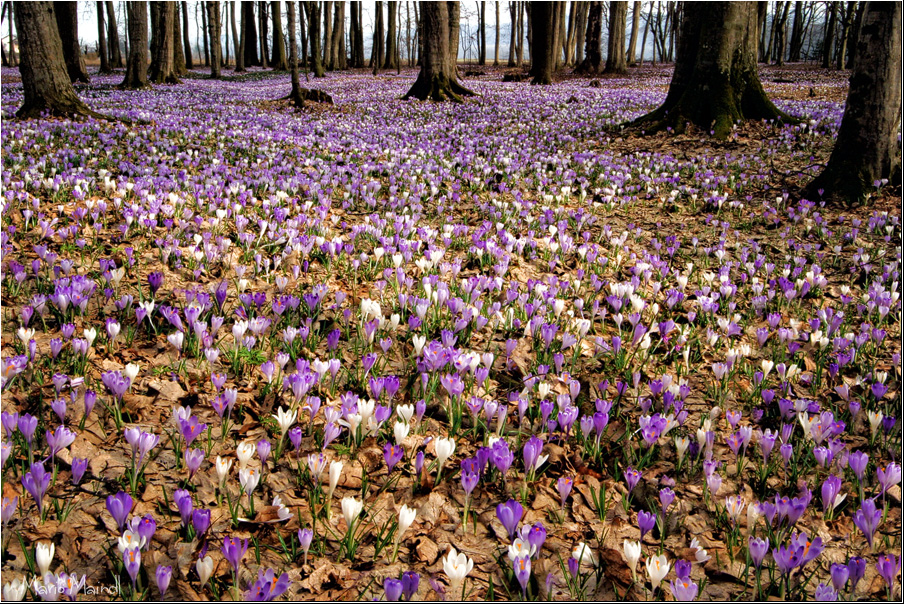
x,y
137,65
179,66
102,41
279,63
646,30
262,24
356,33
558,47
313,10
635,29
437,79
12,51
45,80
615,56
338,57
237,49
482,34
213,32
454,32
392,11
715,82
513,15
593,55
543,49
163,56
113,38
855,34
249,35
496,46
300,95
67,24
867,148
829,38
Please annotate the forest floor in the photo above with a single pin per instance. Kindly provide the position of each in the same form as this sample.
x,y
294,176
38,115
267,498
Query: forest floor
x,y
532,273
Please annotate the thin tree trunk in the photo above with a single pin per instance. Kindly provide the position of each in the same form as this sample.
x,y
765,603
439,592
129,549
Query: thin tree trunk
x,y
179,66
846,27
496,45
327,34
67,24
205,29
454,32
635,29
855,35
299,95
113,37
376,54
513,15
829,38
45,80
313,9
237,42
12,49
213,29
392,10
101,40
262,24
796,33
519,44
339,57
646,29
561,33
482,34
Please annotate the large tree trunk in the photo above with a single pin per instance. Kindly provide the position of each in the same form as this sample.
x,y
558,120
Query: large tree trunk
x,y
102,41
635,29
354,30
67,24
867,149
513,15
327,33
855,34
376,51
392,9
437,79
137,65
237,48
262,24
543,49
338,56
593,55
45,80
163,51
558,47
179,66
715,82
313,10
213,32
618,20
454,33
113,37
249,34
279,62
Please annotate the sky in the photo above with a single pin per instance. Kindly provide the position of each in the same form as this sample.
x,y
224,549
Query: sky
x,y
467,47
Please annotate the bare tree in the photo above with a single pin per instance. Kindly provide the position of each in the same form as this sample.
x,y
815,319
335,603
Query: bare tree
x,y
615,57
213,29
45,80
113,43
249,34
313,13
867,148
543,44
163,44
437,79
593,56
67,24
279,63
635,29
137,65
101,41
299,95
392,13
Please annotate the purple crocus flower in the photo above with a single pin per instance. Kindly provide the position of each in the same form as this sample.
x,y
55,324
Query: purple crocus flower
x,y
888,566
888,476
469,481
392,454
825,593
392,589
119,506
79,466
193,460
132,560
839,574
858,460
564,485
758,549
509,514
536,537
200,520
410,583
263,451
234,550
684,590
27,426
646,521
305,536
145,527
532,449
184,503
268,586
867,519
163,576
632,477
683,569
787,558
522,571
191,429
857,568
36,482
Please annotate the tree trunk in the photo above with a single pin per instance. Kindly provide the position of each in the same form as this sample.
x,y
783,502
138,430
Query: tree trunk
x,y
101,41
580,32
543,50
513,15
137,65
392,9
855,34
300,95
715,82
593,55
496,46
519,45
12,51
313,9
797,34
237,48
454,33
376,52
113,38
846,28
67,24
249,35
213,32
437,79
45,80
646,30
339,58
262,24
354,29
778,50
867,148
179,66
205,31
558,47
635,29
163,57
829,38
279,63
615,57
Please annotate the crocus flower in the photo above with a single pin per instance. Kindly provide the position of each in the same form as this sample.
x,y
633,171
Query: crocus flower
x,y
456,566
268,586
657,569
684,590
36,482
857,568
163,576
410,582
234,550
522,569
839,574
888,566
132,560
509,514
392,589
646,521
758,549
119,506
825,593
867,519
392,454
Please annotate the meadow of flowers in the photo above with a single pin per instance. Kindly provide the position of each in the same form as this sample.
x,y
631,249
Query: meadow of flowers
x,y
407,351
